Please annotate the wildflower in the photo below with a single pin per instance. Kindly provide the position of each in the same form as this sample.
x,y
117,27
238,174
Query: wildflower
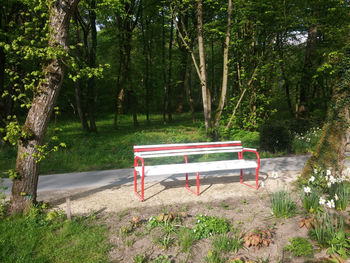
x,y
339,180
194,230
329,172
322,201
332,179
336,197
312,178
198,221
315,171
329,184
307,190
330,203
274,175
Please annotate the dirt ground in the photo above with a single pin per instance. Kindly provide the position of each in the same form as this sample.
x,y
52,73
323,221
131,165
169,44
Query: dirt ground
x,y
245,208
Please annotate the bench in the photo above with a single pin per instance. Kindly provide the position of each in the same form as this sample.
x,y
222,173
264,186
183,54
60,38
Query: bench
x,y
142,152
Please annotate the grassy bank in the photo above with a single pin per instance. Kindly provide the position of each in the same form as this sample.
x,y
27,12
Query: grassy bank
x,y
40,237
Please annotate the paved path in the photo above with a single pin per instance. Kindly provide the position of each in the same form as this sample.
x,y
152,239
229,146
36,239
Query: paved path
x,y
70,181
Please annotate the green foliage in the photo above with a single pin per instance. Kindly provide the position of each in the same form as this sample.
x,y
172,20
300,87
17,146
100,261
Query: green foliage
x,y
282,204
311,200
207,226
214,257
275,137
225,243
300,247
342,192
306,142
37,237
186,239
326,232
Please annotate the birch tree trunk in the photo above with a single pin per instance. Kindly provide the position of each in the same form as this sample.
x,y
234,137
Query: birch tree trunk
x,y
24,188
203,74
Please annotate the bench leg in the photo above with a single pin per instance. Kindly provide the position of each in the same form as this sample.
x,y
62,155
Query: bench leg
x,y
142,186
188,188
256,180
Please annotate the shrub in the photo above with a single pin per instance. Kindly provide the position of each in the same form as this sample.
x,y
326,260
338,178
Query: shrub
x,y
282,204
275,137
300,246
207,226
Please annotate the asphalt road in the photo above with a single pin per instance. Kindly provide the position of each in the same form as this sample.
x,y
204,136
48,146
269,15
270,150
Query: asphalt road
x,y
70,181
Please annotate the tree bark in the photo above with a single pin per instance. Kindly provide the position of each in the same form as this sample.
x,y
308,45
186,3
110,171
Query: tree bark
x,y
224,72
24,188
203,74
92,64
78,84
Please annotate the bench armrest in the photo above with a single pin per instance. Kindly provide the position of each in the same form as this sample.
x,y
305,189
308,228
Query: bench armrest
x,y
252,151
136,162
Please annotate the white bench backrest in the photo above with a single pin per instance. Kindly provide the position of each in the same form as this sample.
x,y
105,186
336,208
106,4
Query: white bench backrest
x,y
181,149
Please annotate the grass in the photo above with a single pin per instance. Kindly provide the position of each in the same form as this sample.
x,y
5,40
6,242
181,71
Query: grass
x,y
35,238
110,148
282,204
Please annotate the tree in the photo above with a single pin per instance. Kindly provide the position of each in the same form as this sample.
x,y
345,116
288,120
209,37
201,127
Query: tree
x,y
24,189
330,150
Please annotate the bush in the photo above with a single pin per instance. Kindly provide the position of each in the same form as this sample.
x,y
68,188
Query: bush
x,y
275,137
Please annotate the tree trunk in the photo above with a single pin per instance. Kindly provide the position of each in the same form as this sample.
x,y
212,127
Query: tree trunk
x,y
92,64
224,72
78,84
306,79
203,74
24,188
330,149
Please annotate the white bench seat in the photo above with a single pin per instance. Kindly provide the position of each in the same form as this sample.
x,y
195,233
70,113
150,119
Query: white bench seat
x,y
143,152
182,168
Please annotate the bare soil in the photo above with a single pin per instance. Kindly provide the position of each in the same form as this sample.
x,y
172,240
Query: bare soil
x,y
246,209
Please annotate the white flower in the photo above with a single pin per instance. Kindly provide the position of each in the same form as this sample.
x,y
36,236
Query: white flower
x,y
315,171
322,201
274,175
194,230
329,172
329,184
332,179
339,180
262,184
210,233
330,203
336,197
198,221
312,178
307,189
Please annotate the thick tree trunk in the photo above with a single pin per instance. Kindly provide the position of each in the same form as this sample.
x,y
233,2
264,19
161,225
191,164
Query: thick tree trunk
x,y
224,72
330,150
203,74
24,188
